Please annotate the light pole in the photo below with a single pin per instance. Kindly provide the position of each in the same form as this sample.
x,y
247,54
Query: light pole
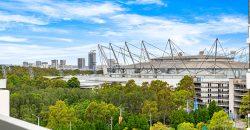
x,y
150,116
70,125
111,123
38,119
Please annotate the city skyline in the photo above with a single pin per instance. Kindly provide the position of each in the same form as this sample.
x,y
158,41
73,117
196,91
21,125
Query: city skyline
x,y
45,29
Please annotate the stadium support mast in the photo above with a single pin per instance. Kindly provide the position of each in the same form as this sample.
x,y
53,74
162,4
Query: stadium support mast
x,y
111,47
130,54
147,54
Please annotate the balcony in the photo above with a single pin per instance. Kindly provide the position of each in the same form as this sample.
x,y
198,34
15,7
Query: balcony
x,y
223,104
215,97
221,87
239,94
214,92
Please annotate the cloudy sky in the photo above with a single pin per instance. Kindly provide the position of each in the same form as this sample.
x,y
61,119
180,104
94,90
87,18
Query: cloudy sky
x,y
33,30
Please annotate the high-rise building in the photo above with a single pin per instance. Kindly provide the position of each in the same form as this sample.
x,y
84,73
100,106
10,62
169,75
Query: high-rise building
x,y
92,60
81,63
54,64
45,65
25,64
38,63
62,64
31,65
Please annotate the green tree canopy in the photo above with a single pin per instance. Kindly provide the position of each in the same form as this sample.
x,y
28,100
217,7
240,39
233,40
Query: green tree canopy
x,y
212,108
187,83
186,126
60,116
100,111
73,83
220,121
244,106
150,107
158,126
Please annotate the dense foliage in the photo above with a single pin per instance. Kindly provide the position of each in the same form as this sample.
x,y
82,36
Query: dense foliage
x,y
62,104
245,105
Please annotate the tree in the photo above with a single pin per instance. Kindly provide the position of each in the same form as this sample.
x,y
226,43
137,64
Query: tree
x,y
137,121
220,121
158,126
60,116
158,85
179,116
200,125
165,103
200,115
62,83
100,111
73,83
150,107
244,106
212,108
187,83
186,126
181,97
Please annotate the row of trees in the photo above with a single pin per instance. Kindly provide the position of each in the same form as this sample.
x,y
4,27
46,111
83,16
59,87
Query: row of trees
x,y
62,104
39,72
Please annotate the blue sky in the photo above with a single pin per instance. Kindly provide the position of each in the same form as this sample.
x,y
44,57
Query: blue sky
x,y
33,30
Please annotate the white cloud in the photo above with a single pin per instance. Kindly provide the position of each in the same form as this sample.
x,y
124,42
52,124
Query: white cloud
x,y
133,26
72,10
53,38
12,39
20,19
49,30
17,53
144,2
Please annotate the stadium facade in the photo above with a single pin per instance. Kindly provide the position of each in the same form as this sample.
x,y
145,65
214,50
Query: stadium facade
x,y
218,74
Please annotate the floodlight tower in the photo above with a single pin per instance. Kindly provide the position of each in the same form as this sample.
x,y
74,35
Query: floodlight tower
x,y
248,73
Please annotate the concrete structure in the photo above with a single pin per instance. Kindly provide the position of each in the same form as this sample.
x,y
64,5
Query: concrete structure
x,y
237,89
112,63
39,64
62,64
32,65
25,64
4,98
81,63
226,92
92,60
9,123
45,65
212,71
54,64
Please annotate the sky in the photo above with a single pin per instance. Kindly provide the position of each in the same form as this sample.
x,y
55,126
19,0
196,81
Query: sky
x,y
33,30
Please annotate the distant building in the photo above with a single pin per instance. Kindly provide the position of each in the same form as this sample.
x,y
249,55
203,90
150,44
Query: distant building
x,y
92,60
111,63
62,64
25,64
38,63
31,65
45,65
54,64
81,63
